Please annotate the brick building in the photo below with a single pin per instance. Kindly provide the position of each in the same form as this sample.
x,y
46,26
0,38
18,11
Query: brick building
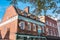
x,y
50,29
18,24
58,25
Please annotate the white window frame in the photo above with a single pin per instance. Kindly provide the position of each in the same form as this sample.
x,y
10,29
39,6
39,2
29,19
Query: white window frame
x,y
29,26
23,25
34,27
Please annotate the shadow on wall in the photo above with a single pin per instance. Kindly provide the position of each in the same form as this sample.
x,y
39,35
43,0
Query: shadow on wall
x,y
6,36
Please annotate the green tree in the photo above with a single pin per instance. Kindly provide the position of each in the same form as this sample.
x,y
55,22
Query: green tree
x,y
39,4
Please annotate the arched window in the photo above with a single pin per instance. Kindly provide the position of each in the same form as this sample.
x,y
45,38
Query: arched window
x,y
22,25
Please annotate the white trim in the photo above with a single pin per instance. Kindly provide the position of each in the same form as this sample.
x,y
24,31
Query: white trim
x,y
9,20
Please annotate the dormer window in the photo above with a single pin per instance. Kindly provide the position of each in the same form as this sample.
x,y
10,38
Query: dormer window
x,y
38,19
25,14
31,16
39,29
47,23
22,25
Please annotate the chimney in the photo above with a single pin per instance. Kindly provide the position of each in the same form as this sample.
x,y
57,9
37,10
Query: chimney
x,y
26,9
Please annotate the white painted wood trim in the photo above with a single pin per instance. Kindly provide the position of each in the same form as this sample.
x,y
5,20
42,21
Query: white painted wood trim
x,y
9,20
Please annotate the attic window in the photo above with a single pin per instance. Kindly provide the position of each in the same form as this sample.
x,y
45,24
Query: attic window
x,y
29,14
21,11
32,16
25,14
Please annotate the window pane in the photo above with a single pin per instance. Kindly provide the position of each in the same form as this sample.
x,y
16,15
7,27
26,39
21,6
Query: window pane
x,y
22,25
29,26
34,27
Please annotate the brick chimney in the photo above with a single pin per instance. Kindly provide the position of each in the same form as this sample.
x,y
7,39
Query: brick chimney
x,y
26,9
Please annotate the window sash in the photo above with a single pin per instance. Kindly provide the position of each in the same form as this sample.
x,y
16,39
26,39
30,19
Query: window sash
x,y
22,25
29,26
34,27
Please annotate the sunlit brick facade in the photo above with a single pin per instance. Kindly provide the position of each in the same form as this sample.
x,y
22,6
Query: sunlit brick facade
x,y
50,28
19,23
58,25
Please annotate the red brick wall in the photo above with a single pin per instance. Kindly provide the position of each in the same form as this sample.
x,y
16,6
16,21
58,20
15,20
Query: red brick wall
x,y
53,29
10,12
26,31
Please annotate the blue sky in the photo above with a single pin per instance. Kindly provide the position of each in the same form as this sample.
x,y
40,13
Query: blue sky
x,y
4,4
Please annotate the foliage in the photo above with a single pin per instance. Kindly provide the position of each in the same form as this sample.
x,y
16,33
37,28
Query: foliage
x,y
39,4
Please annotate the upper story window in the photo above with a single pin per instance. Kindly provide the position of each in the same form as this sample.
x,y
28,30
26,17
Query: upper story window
x,y
39,29
46,22
46,29
38,19
34,27
53,25
50,23
25,14
31,17
22,25
29,26
49,31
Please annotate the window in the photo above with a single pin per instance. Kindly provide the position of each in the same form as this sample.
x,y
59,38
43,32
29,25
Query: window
x,y
46,22
51,33
31,16
29,26
38,19
25,14
39,29
50,24
34,27
54,33
43,29
22,25
47,29
53,25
